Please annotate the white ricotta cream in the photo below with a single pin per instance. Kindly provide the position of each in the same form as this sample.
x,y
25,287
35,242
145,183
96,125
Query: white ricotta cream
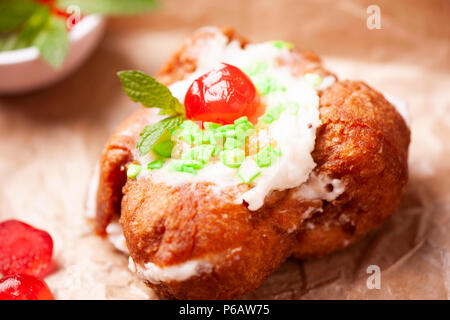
x,y
178,272
114,232
320,187
296,141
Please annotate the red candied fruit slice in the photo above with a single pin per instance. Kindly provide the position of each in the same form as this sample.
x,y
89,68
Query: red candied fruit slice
x,y
24,249
24,287
221,95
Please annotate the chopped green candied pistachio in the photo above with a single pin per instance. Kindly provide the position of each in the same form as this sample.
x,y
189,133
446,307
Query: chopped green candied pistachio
x,y
244,130
206,136
256,68
223,131
225,128
201,153
190,132
195,164
232,158
248,171
266,156
211,125
133,170
188,166
240,120
313,79
268,118
188,155
157,164
265,85
175,165
243,126
273,113
233,143
229,133
195,138
216,138
223,134
198,138
189,125
188,169
283,45
217,149
163,149
205,152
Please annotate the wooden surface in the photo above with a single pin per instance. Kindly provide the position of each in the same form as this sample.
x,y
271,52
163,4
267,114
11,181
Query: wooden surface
x,y
50,141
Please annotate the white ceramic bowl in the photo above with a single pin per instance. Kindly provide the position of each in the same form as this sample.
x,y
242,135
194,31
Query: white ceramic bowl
x,y
23,70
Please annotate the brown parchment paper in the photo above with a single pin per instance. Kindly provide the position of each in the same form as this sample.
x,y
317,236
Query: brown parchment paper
x,y
50,141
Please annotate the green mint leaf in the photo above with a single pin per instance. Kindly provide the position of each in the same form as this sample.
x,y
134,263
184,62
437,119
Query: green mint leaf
x,y
8,42
13,13
151,134
53,42
152,94
111,7
36,23
28,31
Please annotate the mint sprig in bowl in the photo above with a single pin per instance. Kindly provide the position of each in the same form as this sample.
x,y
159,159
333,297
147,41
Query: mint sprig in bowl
x,y
43,41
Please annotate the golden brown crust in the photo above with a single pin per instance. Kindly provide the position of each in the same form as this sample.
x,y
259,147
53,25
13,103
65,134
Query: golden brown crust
x,y
168,226
362,140
115,156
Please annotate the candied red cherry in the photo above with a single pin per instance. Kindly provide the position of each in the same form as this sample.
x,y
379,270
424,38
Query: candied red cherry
x,y
24,287
24,249
222,95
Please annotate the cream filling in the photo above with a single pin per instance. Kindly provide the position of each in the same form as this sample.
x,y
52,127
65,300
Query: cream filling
x,y
320,187
296,142
179,272
114,233
326,83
